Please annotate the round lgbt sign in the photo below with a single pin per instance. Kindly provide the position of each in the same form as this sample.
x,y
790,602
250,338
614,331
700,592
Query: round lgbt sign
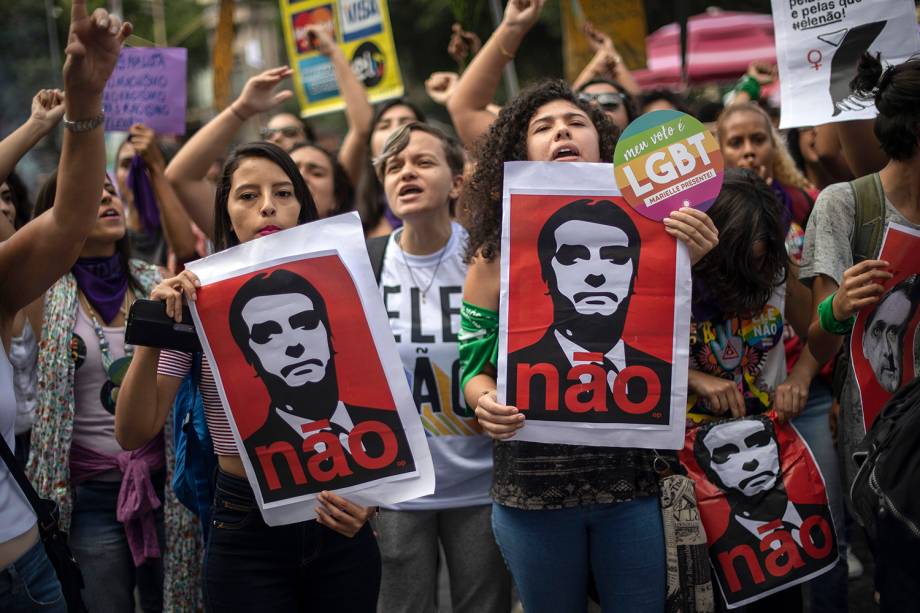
x,y
666,160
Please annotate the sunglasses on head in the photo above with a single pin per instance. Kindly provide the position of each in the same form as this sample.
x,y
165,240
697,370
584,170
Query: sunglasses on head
x,y
607,101
288,131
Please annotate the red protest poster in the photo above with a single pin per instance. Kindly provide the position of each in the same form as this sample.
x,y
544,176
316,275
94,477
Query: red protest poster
x,y
589,300
885,342
763,504
307,371
302,378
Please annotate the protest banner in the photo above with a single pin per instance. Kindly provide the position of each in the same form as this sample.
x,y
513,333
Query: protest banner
x,y
308,372
665,160
885,343
148,87
622,20
594,313
818,46
763,503
362,30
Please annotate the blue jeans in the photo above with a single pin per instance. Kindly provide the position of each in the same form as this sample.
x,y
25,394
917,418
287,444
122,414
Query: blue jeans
x,y
30,584
827,593
250,566
552,555
100,546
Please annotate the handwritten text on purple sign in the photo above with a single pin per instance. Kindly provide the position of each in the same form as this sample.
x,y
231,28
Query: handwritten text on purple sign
x,y
147,86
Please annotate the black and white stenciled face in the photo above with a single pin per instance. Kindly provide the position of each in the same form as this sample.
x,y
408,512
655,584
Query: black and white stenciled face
x,y
744,456
882,339
593,266
288,336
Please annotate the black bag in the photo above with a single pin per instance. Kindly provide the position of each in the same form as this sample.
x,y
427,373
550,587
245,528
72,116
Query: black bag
x,y
53,538
888,480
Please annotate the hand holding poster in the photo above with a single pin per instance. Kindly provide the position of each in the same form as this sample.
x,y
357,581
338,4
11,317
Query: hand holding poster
x,y
361,30
885,343
308,373
148,87
818,46
763,503
594,314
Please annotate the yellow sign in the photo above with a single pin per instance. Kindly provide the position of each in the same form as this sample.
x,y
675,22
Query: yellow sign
x,y
362,30
622,20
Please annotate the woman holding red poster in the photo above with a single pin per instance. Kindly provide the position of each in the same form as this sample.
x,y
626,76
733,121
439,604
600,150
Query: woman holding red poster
x,y
562,513
330,564
844,264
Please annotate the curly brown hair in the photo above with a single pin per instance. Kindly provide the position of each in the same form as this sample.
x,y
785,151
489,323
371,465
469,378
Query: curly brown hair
x,y
506,141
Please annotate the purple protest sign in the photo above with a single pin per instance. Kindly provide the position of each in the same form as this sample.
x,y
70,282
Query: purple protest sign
x,y
147,86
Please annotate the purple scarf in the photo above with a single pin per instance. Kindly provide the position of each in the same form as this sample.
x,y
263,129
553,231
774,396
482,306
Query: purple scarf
x,y
137,498
104,281
145,202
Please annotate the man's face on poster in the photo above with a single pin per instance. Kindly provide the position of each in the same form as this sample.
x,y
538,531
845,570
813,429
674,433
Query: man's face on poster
x,y
743,455
593,266
288,337
883,336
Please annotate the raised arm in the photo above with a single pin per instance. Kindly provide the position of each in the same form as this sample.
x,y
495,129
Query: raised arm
x,y
358,110
468,106
186,172
47,111
748,88
44,249
607,62
177,226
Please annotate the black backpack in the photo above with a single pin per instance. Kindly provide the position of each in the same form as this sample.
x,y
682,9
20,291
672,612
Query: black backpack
x,y
888,480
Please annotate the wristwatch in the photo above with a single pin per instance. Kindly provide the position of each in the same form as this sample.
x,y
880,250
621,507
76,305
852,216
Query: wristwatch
x,y
84,125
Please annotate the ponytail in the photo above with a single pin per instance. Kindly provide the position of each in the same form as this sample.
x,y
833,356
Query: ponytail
x,y
896,90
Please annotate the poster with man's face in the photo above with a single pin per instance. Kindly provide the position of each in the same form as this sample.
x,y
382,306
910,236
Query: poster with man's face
x,y
303,367
594,315
763,504
885,343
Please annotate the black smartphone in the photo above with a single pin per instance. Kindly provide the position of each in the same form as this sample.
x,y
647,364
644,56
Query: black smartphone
x,y
149,326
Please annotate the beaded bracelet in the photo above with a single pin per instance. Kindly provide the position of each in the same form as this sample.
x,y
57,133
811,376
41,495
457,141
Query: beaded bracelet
x,y
831,324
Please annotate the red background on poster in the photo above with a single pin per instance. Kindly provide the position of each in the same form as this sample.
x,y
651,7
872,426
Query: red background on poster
x,y
900,251
800,474
358,370
651,306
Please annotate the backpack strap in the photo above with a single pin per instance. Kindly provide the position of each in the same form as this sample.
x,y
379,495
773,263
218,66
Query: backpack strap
x,y
377,250
868,226
870,217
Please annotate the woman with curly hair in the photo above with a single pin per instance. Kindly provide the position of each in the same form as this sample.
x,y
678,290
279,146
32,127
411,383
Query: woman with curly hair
x,y
561,513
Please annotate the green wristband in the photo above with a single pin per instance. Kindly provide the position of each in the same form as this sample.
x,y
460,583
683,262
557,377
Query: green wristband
x,y
828,322
749,85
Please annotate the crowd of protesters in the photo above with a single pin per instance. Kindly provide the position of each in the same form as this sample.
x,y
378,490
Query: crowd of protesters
x,y
548,527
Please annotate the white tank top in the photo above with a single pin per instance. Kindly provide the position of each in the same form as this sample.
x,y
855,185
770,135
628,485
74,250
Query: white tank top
x,y
16,515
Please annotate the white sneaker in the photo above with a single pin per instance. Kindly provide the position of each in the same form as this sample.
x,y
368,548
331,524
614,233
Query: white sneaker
x,y
854,566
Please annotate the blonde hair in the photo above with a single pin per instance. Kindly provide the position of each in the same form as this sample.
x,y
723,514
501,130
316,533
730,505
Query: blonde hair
x,y
784,168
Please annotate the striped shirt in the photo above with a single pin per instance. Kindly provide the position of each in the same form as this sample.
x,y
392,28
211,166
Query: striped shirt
x,y
178,364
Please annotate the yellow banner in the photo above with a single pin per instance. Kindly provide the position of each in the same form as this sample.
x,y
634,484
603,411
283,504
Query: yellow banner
x,y
622,20
362,30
